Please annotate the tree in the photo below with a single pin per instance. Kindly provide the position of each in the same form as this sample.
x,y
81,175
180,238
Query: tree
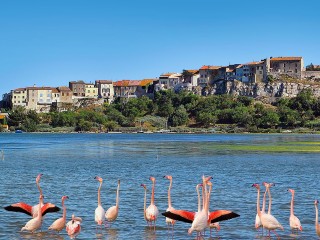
x,y
179,117
269,119
206,118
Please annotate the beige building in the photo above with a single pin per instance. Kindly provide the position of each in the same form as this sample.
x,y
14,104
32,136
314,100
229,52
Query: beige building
x,y
91,91
19,97
207,74
39,98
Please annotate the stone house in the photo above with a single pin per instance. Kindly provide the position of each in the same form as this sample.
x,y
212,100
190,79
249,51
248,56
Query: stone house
x,y
78,88
105,89
207,75
291,66
90,90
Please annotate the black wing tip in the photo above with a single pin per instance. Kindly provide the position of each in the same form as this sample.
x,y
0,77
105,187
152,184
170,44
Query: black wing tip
x,y
16,209
176,217
226,217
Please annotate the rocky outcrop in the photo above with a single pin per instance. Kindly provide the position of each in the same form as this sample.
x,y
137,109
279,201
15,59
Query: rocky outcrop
x,y
270,90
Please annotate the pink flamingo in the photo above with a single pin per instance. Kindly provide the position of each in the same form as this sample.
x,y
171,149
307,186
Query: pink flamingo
x,y
317,222
73,227
169,221
112,213
258,221
99,214
189,217
293,220
145,204
268,221
35,223
152,211
60,223
215,225
33,210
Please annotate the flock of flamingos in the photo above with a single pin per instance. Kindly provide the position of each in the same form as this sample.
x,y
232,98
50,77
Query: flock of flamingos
x,y
199,220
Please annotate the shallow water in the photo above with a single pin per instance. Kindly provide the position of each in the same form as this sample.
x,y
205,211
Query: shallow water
x,y
70,162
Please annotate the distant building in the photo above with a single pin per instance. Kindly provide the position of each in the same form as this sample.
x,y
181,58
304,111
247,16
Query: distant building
x,y
90,90
131,88
291,66
207,75
39,98
192,77
78,88
3,120
19,97
105,89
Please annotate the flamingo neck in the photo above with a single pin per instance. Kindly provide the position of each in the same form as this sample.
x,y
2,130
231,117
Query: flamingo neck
x,y
291,207
203,196
99,199
64,215
199,204
39,209
145,204
39,188
317,225
258,203
209,194
117,199
264,201
270,201
205,199
152,193
169,194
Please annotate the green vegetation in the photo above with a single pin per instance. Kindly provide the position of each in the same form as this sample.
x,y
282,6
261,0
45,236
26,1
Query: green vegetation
x,y
183,112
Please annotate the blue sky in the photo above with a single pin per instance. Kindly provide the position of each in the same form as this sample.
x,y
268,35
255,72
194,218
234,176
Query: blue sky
x,y
52,42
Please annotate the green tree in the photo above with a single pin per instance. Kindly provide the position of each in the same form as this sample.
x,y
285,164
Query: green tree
x,y
269,119
179,117
207,119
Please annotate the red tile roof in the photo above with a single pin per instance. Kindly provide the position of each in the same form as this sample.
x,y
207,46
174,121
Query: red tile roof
x,y
104,81
207,67
286,59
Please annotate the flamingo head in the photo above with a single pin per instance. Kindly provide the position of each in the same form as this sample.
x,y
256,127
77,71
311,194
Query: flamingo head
x,y
316,202
98,178
168,177
119,181
199,185
256,185
64,198
291,190
38,177
144,186
152,179
209,183
41,197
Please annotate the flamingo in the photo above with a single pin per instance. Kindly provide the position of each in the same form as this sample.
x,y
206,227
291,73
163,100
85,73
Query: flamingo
x,y
317,223
73,227
33,210
189,217
145,204
60,223
35,223
268,221
152,211
99,215
170,208
293,220
200,221
112,213
215,225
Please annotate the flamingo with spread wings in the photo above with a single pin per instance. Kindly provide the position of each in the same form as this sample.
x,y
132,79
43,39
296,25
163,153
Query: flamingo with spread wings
x,y
33,210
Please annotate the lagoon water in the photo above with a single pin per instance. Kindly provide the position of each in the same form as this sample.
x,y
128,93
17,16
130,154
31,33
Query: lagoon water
x,y
70,162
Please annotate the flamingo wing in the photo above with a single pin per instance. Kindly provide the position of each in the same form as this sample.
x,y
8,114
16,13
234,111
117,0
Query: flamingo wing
x,y
221,215
49,208
20,207
180,215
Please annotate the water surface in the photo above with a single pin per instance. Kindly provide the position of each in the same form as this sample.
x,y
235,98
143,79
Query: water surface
x,y
70,162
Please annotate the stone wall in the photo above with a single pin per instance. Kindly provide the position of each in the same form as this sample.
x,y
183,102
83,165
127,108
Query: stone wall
x,y
311,74
269,91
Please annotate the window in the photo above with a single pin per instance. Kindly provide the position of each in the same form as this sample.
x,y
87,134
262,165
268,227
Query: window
x,y
62,94
41,95
296,70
